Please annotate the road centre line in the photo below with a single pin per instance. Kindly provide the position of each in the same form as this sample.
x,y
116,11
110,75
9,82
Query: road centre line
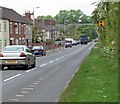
x,y
24,92
12,77
62,57
43,64
51,61
30,70
57,59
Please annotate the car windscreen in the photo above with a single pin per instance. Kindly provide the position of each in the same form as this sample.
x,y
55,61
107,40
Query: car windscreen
x,y
13,49
83,37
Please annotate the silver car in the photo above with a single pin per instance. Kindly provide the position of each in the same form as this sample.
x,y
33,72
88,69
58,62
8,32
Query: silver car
x,y
17,55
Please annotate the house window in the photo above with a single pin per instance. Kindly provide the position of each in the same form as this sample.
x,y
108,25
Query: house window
x,y
0,27
17,41
5,42
19,28
0,44
10,27
25,28
5,27
16,28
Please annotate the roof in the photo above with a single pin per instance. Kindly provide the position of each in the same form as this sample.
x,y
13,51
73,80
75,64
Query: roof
x,y
12,15
45,27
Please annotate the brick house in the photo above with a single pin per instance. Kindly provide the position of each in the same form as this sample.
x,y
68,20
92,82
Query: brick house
x,y
14,28
48,29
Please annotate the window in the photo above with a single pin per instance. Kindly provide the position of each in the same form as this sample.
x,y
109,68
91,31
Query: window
x,y
10,27
5,27
19,28
27,50
16,28
5,42
0,44
0,27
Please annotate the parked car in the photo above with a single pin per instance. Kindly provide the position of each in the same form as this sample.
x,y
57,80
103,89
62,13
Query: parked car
x,y
68,44
17,55
38,50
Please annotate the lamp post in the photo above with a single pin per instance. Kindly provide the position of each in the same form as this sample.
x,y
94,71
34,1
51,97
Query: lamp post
x,y
34,15
64,20
34,23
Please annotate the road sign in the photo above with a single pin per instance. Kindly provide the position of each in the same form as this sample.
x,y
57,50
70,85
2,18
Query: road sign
x,y
101,23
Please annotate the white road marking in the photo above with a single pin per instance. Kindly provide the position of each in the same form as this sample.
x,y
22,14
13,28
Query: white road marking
x,y
35,83
62,56
14,99
12,77
57,59
51,61
28,88
24,92
43,64
38,81
19,95
30,70
41,79
32,86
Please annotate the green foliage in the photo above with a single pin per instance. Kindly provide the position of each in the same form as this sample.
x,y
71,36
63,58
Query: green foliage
x,y
108,11
72,16
45,17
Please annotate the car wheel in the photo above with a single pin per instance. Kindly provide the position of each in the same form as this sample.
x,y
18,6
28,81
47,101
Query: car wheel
x,y
1,67
26,67
9,67
33,66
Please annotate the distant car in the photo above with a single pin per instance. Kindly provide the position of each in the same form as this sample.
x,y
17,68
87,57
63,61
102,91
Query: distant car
x,y
84,39
38,50
96,40
17,55
74,42
68,44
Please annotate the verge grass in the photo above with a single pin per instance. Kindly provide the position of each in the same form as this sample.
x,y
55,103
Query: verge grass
x,y
96,80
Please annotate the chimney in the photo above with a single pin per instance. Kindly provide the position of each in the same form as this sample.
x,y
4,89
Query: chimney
x,y
28,15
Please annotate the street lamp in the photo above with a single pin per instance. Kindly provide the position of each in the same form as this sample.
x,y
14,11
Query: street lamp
x,y
34,15
64,24
34,23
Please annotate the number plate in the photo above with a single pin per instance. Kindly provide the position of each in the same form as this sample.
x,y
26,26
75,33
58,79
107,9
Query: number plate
x,y
11,61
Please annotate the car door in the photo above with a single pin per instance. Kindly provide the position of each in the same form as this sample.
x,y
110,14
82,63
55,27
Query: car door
x,y
30,55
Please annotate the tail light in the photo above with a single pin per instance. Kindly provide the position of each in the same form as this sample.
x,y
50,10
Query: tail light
x,y
22,55
1,55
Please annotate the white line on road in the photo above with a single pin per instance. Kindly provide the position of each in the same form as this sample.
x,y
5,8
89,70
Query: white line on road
x,y
57,59
38,81
28,88
35,83
19,95
62,56
30,70
12,77
24,92
32,86
43,64
14,99
51,61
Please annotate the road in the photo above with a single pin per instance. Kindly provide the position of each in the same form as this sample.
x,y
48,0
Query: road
x,y
47,81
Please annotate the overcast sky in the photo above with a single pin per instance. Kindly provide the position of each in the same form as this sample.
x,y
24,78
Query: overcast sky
x,y
48,7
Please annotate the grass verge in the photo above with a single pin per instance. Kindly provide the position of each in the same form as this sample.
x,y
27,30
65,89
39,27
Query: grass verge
x,y
96,80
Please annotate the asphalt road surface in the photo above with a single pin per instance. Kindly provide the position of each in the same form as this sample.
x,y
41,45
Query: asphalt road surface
x,y
46,82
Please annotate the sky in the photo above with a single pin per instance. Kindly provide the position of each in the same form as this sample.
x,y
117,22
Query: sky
x,y
49,7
